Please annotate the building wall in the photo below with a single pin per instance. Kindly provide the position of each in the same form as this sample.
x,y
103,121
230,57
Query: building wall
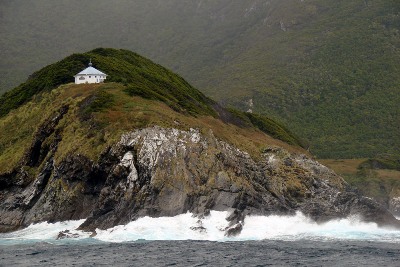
x,y
89,79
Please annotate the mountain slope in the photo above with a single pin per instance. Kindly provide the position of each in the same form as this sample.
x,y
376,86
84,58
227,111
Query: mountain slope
x,y
328,69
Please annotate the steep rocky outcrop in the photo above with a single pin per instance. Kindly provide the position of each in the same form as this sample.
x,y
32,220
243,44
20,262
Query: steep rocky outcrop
x,y
164,172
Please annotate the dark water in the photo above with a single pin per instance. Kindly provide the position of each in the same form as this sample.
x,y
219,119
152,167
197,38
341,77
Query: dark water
x,y
203,253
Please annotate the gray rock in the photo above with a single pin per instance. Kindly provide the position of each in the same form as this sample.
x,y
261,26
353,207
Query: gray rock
x,y
66,234
394,206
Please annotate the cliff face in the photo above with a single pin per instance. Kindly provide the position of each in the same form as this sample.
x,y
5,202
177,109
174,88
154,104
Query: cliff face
x,y
164,172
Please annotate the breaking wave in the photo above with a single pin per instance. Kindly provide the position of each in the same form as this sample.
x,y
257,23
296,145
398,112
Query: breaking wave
x,y
188,227
42,232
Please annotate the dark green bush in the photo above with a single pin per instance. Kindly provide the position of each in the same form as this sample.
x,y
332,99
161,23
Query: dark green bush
x,y
274,129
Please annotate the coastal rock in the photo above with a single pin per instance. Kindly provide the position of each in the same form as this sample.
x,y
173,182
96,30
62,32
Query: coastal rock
x,y
234,230
66,234
165,172
199,227
394,206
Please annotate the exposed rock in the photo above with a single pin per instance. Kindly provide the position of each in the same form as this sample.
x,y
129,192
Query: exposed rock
x,y
199,227
66,234
394,206
166,172
37,152
234,230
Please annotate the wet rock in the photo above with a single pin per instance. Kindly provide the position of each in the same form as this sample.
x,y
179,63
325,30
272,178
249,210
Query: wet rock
x,y
234,230
394,206
66,234
199,227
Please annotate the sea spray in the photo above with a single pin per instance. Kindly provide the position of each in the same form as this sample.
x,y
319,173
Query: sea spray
x,y
301,227
274,227
42,232
181,227
212,228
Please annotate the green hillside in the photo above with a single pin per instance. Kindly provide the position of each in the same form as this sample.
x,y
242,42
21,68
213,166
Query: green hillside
x,y
142,77
48,112
330,70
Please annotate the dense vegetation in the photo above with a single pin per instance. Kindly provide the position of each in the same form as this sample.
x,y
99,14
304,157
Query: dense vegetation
x,y
274,129
143,77
328,69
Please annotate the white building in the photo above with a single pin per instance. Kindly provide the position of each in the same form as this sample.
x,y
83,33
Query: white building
x,y
90,75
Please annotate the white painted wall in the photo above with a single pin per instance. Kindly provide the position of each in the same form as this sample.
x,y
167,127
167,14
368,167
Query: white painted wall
x,y
79,79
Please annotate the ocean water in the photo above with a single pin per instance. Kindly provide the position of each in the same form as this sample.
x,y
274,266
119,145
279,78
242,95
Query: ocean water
x,y
185,240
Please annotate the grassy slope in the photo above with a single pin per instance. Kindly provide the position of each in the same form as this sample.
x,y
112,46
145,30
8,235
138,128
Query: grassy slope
x,y
332,75
143,76
138,93
90,126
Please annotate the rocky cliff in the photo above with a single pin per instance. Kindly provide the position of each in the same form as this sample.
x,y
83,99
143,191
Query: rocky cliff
x,y
165,171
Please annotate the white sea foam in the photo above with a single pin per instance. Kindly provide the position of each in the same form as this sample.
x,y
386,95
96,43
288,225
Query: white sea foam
x,y
188,227
169,228
300,227
255,228
42,232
